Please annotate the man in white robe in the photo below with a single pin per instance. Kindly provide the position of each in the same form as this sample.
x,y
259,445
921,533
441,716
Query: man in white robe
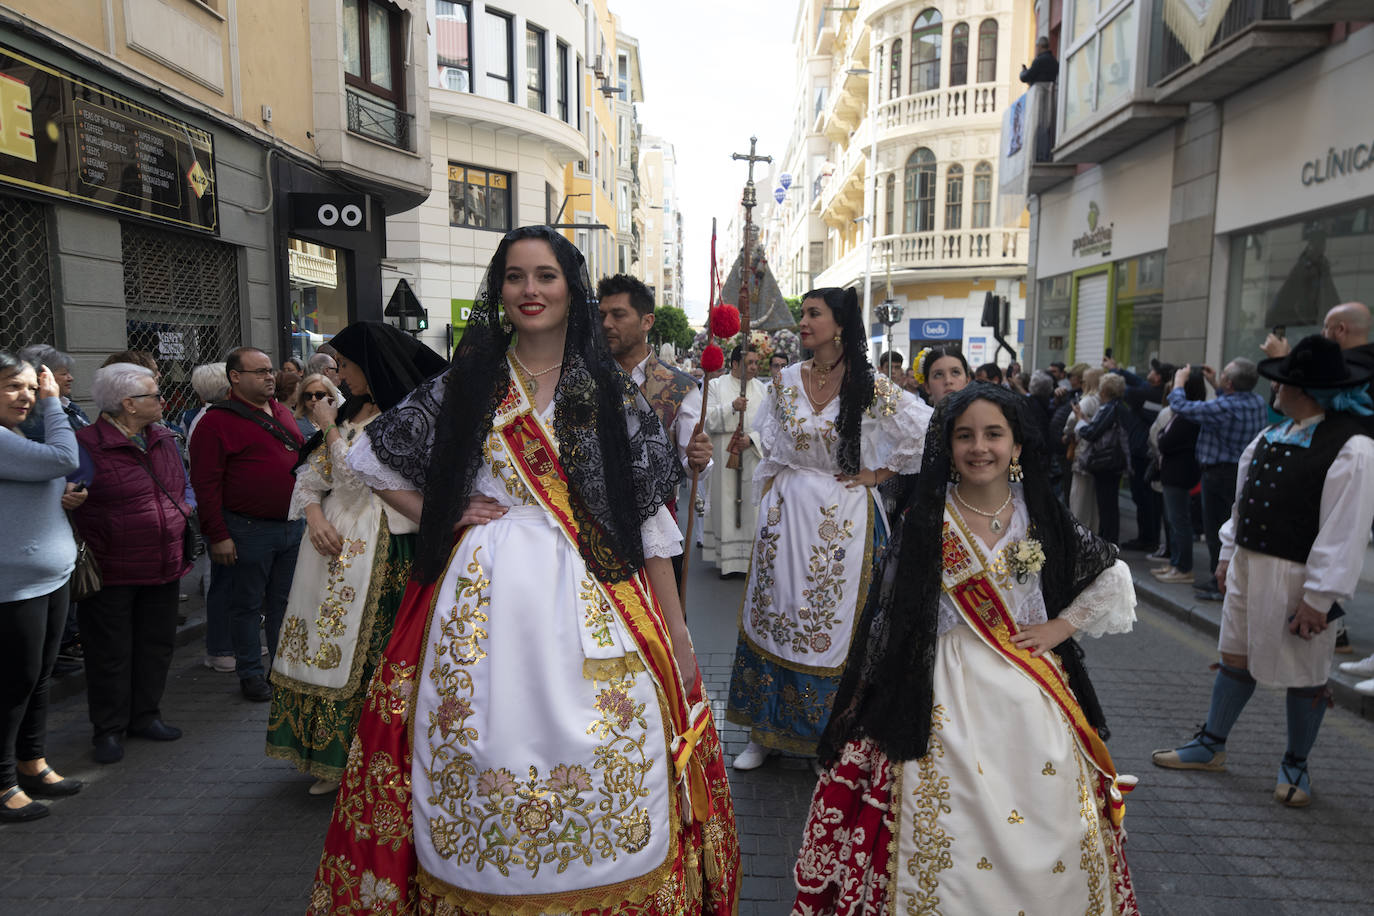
x,y
1286,558
728,535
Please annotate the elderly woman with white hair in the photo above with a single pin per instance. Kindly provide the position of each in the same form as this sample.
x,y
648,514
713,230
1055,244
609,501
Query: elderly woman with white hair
x,y
60,365
139,506
210,382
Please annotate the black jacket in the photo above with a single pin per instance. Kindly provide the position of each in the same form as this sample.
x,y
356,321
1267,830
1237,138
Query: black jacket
x,y
1178,465
1044,69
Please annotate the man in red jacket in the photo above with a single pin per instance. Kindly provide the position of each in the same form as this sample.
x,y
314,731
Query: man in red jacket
x,y
242,454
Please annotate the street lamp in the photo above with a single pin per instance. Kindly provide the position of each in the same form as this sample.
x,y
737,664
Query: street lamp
x,y
889,312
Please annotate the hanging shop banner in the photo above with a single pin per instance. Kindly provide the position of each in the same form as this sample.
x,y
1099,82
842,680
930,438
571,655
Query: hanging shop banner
x,y
63,136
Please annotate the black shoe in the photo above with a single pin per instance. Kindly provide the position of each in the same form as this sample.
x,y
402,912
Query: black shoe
x,y
256,688
108,749
65,667
30,812
1343,643
1206,594
34,785
157,730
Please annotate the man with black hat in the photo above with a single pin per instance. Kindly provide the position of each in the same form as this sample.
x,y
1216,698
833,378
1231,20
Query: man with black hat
x,y
1287,557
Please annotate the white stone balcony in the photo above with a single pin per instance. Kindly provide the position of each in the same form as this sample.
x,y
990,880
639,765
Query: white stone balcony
x,y
925,110
990,247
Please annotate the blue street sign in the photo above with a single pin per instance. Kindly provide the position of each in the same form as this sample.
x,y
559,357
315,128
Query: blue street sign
x,y
779,194
785,179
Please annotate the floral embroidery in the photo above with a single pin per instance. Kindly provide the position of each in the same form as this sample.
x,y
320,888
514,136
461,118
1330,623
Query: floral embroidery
x,y
765,555
1090,844
796,426
931,798
984,864
1015,817
597,614
392,695
331,619
810,631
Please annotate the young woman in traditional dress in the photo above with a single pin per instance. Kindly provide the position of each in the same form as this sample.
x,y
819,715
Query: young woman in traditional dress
x,y
966,771
830,432
535,739
346,589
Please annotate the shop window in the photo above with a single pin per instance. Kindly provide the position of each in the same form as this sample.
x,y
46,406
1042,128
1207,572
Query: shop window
x,y
954,197
1137,311
987,51
499,59
890,204
1052,312
182,298
563,83
26,313
319,294
535,78
894,85
926,36
982,195
1294,273
453,44
478,198
958,54
918,192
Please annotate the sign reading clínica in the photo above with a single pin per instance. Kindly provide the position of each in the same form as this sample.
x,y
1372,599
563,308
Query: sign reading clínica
x,y
62,136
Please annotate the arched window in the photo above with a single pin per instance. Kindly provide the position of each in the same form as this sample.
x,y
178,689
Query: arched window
x,y
987,51
958,54
890,201
878,69
894,86
918,192
982,195
926,35
954,197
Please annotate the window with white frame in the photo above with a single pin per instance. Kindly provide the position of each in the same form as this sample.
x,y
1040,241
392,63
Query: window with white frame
x,y
499,56
453,44
1099,60
982,195
954,197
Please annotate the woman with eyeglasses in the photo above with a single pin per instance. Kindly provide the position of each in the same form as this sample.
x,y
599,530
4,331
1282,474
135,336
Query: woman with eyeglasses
x,y
140,503
314,388
346,589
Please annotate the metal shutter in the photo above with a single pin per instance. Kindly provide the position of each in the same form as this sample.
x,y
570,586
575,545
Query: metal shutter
x,y
1090,325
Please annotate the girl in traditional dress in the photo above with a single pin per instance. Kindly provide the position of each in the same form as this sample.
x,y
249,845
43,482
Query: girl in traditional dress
x,y
535,739
830,432
346,589
941,371
966,771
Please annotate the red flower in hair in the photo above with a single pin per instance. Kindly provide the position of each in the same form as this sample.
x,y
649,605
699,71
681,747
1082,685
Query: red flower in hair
x,y
712,359
724,321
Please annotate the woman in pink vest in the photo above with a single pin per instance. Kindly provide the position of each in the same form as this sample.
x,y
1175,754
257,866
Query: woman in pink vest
x,y
133,521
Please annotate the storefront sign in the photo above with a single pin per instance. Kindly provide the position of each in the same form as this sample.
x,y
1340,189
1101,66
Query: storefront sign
x,y
1097,240
332,212
1348,161
68,138
936,329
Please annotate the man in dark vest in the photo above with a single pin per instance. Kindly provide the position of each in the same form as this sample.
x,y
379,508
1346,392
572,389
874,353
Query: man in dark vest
x,y
242,457
1294,545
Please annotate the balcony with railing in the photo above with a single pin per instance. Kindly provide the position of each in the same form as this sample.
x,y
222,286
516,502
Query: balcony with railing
x,y
926,109
1253,40
956,248
380,121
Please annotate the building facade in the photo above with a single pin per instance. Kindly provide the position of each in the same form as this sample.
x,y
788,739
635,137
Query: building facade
x,y
1206,185
532,122
157,158
893,168
660,264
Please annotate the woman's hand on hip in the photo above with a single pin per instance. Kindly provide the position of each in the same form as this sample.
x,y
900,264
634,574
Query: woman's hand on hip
x,y
1039,638
481,510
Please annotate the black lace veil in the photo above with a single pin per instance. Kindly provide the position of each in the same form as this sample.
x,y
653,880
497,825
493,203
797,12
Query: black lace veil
x,y
607,434
856,390
886,691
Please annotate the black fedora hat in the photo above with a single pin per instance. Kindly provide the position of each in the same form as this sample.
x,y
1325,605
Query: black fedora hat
x,y
1315,362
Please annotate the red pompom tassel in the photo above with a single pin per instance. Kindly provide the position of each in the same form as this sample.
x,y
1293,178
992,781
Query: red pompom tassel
x,y
724,321
712,359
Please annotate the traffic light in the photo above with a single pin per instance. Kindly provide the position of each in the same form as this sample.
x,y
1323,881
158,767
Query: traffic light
x,y
422,323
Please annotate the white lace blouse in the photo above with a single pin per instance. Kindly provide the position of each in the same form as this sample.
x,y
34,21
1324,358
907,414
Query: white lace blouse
x,y
660,533
1106,605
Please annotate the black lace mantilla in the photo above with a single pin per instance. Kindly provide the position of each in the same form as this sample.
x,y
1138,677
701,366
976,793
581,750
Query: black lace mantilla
x,y
886,692
607,434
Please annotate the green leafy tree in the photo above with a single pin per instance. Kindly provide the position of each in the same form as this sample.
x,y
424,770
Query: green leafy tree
x,y
794,306
670,326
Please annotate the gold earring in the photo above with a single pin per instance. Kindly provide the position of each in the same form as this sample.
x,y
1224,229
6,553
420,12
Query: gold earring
x,y
836,338
1014,472
505,322
953,475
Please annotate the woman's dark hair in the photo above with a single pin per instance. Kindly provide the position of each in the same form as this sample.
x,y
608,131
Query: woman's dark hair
x,y
856,390
935,353
620,465
11,364
1195,388
886,691
991,371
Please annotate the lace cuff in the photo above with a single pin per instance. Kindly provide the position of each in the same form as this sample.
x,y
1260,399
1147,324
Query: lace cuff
x,y
894,433
1107,605
660,534
363,462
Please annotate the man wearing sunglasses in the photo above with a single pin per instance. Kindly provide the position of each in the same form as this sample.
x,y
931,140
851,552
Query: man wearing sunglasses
x,y
242,455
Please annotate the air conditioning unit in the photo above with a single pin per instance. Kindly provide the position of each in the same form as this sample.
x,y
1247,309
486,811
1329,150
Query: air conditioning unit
x,y
599,67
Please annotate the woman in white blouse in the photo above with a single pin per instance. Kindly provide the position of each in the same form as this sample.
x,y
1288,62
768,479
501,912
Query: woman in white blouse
x,y
831,431
965,758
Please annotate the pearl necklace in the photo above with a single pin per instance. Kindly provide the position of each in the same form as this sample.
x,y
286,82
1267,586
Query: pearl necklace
x,y
995,524
531,376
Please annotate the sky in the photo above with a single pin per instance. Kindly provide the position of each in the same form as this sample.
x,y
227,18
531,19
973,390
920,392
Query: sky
x,y
715,73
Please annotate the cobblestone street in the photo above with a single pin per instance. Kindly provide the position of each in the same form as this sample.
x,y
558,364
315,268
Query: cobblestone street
x,y
209,825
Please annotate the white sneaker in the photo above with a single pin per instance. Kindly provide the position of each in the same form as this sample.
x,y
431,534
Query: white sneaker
x,y
1364,667
224,664
1365,687
751,758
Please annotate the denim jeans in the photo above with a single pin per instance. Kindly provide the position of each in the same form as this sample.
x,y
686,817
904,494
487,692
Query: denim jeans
x,y
260,583
1218,494
219,638
1178,515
